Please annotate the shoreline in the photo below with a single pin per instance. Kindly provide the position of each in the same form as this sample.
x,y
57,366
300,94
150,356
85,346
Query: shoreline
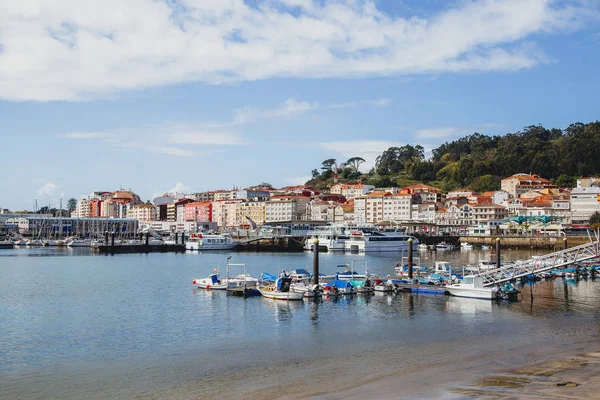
x,y
532,374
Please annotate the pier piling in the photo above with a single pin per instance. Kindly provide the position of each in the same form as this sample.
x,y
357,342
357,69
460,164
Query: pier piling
x,y
410,258
112,239
105,237
176,238
565,244
147,238
497,252
316,261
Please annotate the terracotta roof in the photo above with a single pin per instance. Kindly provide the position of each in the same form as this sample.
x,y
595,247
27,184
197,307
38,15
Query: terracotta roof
x,y
528,178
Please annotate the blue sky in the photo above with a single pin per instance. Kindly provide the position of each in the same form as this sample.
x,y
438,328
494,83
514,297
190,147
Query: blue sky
x,y
208,94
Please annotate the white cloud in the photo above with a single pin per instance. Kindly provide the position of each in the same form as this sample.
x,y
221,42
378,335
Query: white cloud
x,y
206,138
353,104
61,50
86,135
288,108
436,133
179,187
48,191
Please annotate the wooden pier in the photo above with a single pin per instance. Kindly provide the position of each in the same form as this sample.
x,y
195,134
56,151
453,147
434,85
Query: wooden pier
x,y
139,248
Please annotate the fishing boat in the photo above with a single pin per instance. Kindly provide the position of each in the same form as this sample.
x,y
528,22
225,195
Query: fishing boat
x,y
280,290
364,242
362,286
338,287
210,241
213,282
472,286
308,289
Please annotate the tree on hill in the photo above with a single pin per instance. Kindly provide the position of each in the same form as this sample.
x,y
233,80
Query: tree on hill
x,y
595,220
328,164
355,162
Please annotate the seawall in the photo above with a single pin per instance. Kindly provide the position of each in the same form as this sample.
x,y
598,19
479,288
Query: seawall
x,y
527,242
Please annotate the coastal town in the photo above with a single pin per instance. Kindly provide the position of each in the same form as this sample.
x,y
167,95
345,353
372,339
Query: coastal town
x,y
527,204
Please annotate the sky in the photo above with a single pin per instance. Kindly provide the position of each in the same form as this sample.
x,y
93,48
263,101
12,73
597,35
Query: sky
x,y
196,95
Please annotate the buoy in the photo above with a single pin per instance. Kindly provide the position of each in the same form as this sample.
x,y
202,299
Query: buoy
x,y
207,287
194,282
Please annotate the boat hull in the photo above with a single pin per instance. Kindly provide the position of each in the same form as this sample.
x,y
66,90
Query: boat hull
x,y
287,296
473,293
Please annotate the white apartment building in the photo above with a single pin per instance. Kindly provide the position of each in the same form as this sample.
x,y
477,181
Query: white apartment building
x,y
286,208
83,209
584,202
360,210
351,190
397,207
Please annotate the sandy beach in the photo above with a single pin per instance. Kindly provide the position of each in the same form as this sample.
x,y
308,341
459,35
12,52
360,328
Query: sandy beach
x,y
558,372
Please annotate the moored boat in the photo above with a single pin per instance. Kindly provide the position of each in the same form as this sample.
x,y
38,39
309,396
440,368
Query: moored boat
x,y
472,287
210,241
379,242
213,282
281,290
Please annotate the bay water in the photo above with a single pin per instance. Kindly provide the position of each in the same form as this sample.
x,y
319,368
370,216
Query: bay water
x,y
78,325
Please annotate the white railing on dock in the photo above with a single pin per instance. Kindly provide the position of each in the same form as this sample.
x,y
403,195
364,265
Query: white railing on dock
x,y
539,264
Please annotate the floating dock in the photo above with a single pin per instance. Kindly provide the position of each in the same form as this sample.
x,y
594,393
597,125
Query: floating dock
x,y
422,289
139,248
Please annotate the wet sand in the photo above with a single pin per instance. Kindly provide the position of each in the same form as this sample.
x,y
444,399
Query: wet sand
x,y
558,372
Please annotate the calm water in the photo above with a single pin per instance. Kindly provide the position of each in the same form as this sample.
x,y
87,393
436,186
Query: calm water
x,y
77,325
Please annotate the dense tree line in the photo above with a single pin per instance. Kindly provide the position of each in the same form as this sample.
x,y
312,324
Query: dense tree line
x,y
479,162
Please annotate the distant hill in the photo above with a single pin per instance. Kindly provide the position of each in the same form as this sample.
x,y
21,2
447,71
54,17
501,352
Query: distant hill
x,y
479,162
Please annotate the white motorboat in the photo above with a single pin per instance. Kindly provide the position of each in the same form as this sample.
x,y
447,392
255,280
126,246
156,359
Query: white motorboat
x,y
79,243
422,247
444,246
209,241
363,242
466,246
21,242
35,243
299,275
213,282
329,240
485,247
281,290
472,286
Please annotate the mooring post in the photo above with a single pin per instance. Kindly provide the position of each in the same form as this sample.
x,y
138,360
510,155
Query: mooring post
x,y
183,238
565,245
497,252
410,258
147,238
316,261
105,237
112,239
